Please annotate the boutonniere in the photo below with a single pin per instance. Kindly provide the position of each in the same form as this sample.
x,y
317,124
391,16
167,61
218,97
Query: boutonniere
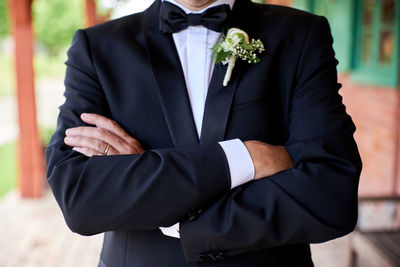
x,y
235,43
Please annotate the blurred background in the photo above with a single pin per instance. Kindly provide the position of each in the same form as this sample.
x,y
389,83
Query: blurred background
x,y
34,37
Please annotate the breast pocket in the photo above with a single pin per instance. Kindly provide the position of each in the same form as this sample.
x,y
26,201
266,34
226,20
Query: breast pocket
x,y
249,104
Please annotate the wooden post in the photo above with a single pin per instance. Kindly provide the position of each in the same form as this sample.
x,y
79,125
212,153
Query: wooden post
x,y
396,173
30,152
92,17
91,13
279,2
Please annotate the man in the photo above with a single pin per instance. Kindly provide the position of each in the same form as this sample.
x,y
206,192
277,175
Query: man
x,y
179,170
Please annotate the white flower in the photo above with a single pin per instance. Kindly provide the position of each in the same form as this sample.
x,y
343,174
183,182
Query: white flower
x,y
227,46
235,32
236,44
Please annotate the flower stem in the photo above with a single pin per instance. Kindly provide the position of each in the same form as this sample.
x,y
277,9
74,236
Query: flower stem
x,y
231,65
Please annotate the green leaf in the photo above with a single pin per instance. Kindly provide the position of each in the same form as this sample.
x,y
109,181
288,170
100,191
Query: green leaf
x,y
246,46
216,48
221,56
257,60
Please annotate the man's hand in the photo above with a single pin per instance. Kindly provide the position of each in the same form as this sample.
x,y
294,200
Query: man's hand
x,y
268,159
95,140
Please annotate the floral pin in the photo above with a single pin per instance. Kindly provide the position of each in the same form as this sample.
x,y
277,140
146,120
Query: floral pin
x,y
235,43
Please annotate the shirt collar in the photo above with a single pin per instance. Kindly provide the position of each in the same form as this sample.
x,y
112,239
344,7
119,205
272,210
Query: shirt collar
x,y
216,3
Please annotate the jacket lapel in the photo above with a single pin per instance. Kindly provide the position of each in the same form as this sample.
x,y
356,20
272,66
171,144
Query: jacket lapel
x,y
220,98
218,104
170,81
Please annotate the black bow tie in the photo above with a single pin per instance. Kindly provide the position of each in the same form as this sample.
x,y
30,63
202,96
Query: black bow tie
x,y
174,19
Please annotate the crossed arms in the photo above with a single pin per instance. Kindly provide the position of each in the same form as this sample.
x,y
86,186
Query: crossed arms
x,y
312,202
93,141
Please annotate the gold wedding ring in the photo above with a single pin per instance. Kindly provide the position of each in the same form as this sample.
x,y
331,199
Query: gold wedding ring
x,y
107,149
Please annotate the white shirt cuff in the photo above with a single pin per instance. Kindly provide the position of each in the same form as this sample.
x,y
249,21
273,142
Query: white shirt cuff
x,y
241,168
241,165
172,231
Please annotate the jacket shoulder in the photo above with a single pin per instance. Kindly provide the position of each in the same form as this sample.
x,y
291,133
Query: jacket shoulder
x,y
279,22
132,24
285,13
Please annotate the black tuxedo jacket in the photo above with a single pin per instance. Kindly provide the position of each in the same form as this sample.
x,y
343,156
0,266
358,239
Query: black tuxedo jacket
x,y
128,71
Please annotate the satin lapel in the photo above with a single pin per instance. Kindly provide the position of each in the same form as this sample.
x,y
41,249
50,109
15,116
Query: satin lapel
x,y
220,98
170,81
218,104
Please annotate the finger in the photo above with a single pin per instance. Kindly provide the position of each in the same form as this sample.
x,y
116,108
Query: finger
x,y
86,151
106,137
112,151
110,125
79,138
79,141
105,123
94,135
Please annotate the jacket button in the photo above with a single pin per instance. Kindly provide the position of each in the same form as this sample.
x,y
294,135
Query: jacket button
x,y
212,255
217,255
204,257
193,215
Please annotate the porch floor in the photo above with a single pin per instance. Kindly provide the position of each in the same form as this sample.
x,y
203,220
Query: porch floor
x,y
34,234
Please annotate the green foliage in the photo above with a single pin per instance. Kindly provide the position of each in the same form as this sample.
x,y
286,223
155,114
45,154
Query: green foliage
x,y
8,168
218,51
235,44
45,134
4,23
46,67
221,56
56,21
8,161
49,67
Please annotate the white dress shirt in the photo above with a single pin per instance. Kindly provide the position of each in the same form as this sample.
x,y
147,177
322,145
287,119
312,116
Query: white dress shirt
x,y
194,49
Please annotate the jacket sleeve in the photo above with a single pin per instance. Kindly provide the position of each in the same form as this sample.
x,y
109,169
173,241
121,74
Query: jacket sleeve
x,y
313,202
124,192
